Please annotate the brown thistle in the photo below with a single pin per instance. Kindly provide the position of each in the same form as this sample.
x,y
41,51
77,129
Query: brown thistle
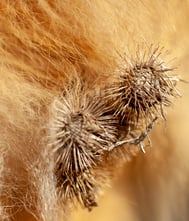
x,y
81,132
143,87
88,130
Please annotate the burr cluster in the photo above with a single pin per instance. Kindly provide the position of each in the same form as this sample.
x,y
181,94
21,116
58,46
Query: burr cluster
x,y
86,126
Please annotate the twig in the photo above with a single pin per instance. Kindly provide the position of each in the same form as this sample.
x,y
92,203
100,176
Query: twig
x,y
137,140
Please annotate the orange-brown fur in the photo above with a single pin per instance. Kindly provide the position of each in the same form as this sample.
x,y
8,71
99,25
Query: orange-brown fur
x,y
42,44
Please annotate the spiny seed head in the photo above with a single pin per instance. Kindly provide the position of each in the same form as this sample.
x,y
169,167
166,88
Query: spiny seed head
x,y
143,87
80,133
86,130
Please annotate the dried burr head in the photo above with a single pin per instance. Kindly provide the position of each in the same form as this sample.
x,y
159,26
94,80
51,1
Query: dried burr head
x,y
88,130
143,87
81,132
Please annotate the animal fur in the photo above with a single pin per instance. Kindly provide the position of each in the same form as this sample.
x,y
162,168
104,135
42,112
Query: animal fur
x,y
44,44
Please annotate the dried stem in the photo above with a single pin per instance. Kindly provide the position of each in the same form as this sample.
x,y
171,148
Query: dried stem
x,y
137,140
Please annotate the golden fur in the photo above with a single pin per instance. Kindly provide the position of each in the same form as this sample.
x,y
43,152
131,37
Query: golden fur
x,y
42,44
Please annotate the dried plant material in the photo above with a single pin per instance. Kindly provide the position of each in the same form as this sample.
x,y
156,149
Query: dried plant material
x,y
143,87
81,132
136,140
87,128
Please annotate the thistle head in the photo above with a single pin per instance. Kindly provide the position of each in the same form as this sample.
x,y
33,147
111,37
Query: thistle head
x,y
87,128
81,132
144,85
